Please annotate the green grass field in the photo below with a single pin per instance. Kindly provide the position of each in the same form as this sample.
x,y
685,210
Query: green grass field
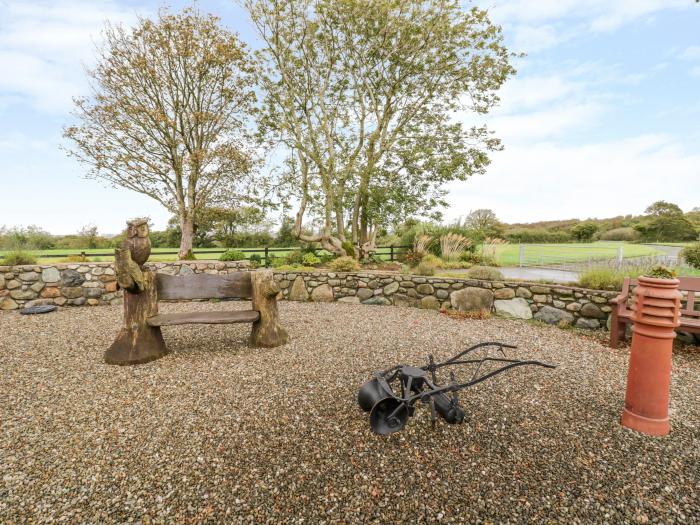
x,y
509,254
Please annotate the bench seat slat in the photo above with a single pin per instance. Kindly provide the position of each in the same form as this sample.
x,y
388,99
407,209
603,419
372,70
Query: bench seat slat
x,y
238,316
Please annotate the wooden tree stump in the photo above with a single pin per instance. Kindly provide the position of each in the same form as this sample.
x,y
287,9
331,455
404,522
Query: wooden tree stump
x,y
267,332
138,342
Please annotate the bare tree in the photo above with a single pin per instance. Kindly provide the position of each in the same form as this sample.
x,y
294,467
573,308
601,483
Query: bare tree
x,y
168,114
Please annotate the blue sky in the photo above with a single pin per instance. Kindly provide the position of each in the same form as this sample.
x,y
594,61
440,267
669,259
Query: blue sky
x,y
601,120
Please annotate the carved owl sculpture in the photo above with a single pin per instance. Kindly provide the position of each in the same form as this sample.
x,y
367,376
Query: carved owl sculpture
x,y
137,240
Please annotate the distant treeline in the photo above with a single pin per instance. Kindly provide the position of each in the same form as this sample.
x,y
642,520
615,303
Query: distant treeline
x,y
248,228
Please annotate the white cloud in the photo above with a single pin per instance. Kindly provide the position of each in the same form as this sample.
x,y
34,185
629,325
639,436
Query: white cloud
x,y
538,25
548,181
691,53
43,46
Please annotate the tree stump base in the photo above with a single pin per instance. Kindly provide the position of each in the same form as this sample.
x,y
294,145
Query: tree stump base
x,y
267,332
137,342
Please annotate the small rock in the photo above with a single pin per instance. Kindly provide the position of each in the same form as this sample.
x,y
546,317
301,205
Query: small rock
x,y
364,293
377,300
349,299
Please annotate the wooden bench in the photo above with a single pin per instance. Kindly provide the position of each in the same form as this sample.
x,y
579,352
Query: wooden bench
x,y
140,340
622,314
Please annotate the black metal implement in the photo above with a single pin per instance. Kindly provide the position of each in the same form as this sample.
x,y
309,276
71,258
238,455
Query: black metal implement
x,y
389,411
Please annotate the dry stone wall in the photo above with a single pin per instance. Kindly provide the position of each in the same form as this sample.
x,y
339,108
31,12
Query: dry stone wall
x,y
562,305
89,284
95,283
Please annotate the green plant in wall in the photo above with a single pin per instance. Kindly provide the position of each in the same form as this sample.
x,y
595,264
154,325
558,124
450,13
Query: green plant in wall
x,y
660,272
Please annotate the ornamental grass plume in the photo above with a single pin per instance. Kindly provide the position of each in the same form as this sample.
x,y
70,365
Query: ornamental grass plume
x,y
421,243
452,245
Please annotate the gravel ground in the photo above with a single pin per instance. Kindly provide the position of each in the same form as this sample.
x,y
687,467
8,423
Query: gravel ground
x,y
217,432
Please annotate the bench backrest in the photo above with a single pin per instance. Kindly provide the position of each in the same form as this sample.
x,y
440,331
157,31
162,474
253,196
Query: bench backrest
x,y
204,286
690,285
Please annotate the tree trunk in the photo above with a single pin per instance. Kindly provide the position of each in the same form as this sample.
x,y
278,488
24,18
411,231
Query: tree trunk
x,y
137,342
187,233
267,331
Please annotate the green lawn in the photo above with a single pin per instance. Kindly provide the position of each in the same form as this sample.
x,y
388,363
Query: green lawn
x,y
509,254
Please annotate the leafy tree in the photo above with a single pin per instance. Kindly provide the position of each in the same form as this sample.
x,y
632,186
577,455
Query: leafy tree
x,y
584,231
663,209
29,237
168,113
483,223
665,222
362,94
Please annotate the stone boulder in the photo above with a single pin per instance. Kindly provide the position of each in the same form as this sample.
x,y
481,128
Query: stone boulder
x,y
50,275
551,315
298,291
430,302
504,293
517,308
587,324
472,299
592,310
349,299
391,288
322,294
72,278
364,293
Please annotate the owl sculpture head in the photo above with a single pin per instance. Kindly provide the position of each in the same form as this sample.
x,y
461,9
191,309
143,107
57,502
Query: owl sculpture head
x,y
137,240
137,228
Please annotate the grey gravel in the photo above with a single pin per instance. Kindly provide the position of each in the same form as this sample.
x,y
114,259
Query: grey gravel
x,y
217,432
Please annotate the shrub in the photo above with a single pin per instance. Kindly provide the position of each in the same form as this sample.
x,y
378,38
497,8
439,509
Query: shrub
x,y
660,272
18,258
255,259
411,257
691,255
232,255
456,265
433,260
602,278
620,234
349,249
425,268
310,259
485,273
295,257
344,264
477,259
326,257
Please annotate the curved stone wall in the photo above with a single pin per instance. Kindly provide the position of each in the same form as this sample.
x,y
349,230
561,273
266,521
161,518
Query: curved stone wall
x,y
95,284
